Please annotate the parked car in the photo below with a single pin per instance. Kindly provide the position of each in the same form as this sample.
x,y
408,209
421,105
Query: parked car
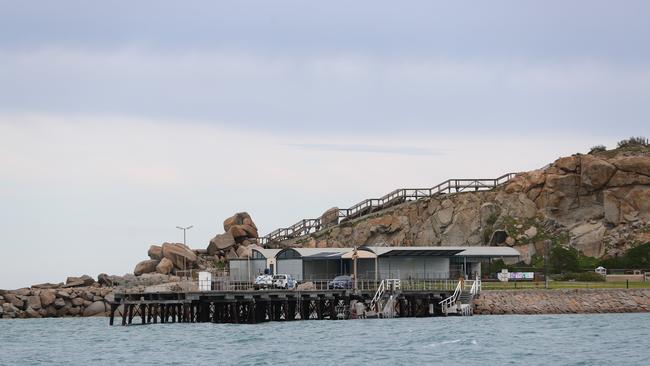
x,y
284,281
263,281
340,282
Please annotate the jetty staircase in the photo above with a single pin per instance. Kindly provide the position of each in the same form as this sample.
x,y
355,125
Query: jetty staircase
x,y
396,197
461,302
382,304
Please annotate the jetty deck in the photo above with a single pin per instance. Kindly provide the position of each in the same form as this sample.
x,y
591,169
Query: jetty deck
x,y
265,305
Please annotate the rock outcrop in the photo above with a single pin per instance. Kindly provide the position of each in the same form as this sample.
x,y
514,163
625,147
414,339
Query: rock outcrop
x,y
597,203
169,258
181,256
240,233
59,300
165,266
146,266
155,252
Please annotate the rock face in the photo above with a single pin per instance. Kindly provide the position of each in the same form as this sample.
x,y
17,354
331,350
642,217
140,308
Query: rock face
x,y
146,266
241,227
104,280
165,266
330,217
179,254
47,298
598,204
155,252
221,242
95,309
240,233
84,280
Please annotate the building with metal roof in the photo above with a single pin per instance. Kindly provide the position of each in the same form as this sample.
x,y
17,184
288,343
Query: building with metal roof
x,y
433,262
378,262
313,263
246,269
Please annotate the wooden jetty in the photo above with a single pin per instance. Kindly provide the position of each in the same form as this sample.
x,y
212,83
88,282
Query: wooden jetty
x,y
265,305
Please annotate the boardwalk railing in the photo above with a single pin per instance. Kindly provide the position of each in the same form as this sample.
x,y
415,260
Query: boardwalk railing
x,y
365,207
223,284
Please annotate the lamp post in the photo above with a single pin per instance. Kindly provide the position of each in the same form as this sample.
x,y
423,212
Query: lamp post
x,y
184,237
547,249
354,258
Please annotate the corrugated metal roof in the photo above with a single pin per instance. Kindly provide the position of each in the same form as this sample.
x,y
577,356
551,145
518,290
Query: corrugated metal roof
x,y
444,251
488,252
319,252
381,251
267,253
413,251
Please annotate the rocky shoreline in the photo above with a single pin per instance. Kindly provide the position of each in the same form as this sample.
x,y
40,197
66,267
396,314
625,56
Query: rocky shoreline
x,y
562,301
81,296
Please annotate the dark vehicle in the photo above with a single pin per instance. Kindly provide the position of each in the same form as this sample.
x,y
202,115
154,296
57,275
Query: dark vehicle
x,y
340,282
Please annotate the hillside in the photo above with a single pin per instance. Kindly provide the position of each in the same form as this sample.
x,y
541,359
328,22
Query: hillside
x,y
596,203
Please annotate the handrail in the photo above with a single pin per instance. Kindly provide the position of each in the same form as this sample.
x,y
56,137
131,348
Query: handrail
x,y
476,287
395,197
378,295
451,300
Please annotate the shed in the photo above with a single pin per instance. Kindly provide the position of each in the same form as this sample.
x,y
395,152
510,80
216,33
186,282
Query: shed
x,y
413,262
306,264
246,269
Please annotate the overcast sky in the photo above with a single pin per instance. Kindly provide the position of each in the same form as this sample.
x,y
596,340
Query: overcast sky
x,y
121,120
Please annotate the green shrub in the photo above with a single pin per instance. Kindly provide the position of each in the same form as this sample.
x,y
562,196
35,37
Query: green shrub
x,y
598,148
563,259
579,276
589,277
635,258
634,141
495,267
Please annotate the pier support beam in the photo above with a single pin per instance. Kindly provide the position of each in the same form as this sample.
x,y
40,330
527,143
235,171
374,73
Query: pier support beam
x,y
142,314
112,314
131,313
291,310
124,313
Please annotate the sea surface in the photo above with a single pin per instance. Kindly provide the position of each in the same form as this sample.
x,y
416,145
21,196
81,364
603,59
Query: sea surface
x,y
603,339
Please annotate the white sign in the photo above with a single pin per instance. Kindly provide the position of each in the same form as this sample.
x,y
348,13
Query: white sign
x,y
521,275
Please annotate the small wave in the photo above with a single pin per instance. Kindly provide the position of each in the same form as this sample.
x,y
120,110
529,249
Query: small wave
x,y
453,341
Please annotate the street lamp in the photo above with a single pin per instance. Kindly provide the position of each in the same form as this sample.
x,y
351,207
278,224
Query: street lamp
x,y
184,232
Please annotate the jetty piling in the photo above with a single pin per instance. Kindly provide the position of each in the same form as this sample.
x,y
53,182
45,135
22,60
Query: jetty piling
x,y
251,307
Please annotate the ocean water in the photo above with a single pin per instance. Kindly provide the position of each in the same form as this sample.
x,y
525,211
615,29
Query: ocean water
x,y
603,339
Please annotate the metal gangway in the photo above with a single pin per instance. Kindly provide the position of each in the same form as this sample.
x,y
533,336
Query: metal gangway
x,y
398,196
461,302
385,308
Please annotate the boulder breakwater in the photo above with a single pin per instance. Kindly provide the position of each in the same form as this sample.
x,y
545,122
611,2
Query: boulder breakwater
x,y
563,301
81,296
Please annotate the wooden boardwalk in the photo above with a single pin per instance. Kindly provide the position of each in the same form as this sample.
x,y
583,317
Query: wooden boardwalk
x,y
396,197
261,306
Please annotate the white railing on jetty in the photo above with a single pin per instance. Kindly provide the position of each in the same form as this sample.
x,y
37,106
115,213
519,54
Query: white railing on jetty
x,y
378,295
476,287
447,303
453,301
220,283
